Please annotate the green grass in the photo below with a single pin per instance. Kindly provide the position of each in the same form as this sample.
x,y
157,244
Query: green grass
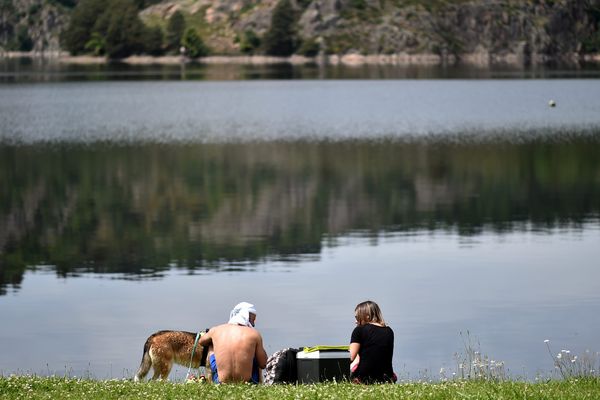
x,y
32,387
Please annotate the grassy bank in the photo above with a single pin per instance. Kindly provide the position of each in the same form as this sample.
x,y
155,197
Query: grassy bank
x,y
28,387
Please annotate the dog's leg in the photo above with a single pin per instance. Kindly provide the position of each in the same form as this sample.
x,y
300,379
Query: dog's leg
x,y
162,369
162,361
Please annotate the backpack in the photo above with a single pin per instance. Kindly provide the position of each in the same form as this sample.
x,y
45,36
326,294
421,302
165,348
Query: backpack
x,y
282,367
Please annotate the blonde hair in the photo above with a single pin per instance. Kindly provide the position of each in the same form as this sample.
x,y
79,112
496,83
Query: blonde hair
x,y
368,311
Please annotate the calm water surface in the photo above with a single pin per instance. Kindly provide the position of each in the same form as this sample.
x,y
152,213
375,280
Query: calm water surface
x,y
132,206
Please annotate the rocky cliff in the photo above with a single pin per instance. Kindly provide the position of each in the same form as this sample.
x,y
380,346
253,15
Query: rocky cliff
x,y
33,25
482,31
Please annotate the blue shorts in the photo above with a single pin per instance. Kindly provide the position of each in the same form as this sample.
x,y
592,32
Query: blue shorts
x,y
215,372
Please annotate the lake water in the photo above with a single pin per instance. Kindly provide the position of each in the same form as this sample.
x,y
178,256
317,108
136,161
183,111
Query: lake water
x,y
138,199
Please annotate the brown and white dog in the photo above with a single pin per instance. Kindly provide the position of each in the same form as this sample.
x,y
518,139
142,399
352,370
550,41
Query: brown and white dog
x,y
164,348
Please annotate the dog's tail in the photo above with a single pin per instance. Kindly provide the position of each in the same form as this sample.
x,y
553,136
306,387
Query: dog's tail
x,y
146,363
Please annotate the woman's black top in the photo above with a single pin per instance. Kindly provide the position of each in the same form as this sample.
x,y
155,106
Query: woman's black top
x,y
376,351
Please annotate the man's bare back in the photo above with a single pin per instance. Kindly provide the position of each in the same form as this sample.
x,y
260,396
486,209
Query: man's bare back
x,y
235,348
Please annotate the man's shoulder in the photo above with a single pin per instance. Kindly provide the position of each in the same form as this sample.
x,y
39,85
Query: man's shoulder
x,y
232,327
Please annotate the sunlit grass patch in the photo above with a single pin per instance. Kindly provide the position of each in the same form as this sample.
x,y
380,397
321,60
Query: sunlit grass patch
x,y
32,387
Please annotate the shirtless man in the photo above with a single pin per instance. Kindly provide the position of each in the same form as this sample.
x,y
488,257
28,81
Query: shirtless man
x,y
236,349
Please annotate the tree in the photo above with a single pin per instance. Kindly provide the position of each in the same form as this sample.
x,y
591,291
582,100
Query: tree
x,y
194,44
281,39
96,44
153,41
23,40
99,26
8,20
249,42
80,28
175,30
125,31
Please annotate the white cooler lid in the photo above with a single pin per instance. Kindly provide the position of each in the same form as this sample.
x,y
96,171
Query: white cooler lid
x,y
323,354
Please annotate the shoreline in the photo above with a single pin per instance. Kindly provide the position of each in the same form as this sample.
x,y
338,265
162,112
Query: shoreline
x,y
483,60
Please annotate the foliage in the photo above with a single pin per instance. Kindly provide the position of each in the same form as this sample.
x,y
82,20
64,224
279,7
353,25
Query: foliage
x,y
8,20
249,42
361,11
153,41
591,44
141,4
281,38
81,26
194,44
175,30
113,28
32,387
341,42
64,3
23,40
96,45
124,32
310,47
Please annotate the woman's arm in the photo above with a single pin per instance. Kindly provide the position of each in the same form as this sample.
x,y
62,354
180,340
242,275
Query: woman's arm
x,y
354,348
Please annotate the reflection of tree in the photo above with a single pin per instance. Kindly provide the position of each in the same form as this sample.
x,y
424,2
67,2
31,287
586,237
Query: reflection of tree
x,y
141,209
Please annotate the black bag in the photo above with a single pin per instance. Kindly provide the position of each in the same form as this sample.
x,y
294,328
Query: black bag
x,y
282,367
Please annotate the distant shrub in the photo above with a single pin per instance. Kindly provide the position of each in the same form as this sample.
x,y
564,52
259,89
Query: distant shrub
x,y
194,44
98,26
125,30
64,3
175,30
96,45
80,28
34,8
152,41
281,39
310,47
249,42
592,43
24,42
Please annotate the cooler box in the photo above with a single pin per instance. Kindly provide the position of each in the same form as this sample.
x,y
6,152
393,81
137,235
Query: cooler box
x,y
323,363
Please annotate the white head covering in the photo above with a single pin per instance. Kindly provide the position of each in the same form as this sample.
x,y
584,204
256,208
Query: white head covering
x,y
240,315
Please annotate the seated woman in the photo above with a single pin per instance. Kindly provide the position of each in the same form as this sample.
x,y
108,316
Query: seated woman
x,y
371,346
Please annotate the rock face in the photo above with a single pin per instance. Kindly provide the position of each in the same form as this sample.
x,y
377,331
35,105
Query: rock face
x,y
32,25
483,31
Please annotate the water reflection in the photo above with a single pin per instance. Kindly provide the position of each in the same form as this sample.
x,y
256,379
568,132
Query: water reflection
x,y
140,210
49,70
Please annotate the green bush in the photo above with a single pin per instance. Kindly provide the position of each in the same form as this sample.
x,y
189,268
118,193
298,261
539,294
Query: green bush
x,y
64,3
175,30
100,27
310,47
96,45
281,39
152,41
249,42
592,43
125,29
80,28
24,42
193,43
